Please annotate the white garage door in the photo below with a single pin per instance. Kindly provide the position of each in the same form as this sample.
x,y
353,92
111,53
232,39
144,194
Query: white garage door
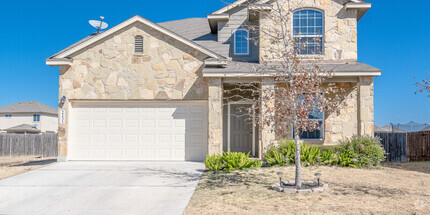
x,y
138,131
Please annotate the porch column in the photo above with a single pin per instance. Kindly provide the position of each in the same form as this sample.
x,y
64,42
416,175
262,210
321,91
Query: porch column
x,y
215,116
366,108
267,135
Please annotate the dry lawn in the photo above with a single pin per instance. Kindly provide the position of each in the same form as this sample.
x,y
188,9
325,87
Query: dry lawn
x,y
351,191
10,166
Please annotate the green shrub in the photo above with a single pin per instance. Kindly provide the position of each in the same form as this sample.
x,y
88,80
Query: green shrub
x,y
345,158
328,157
354,152
281,155
284,154
368,150
229,161
214,162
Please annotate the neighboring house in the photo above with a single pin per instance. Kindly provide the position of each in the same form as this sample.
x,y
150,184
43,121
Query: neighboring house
x,y
23,129
147,91
33,114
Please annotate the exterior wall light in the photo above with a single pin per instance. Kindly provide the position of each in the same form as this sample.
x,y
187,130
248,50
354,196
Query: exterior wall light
x,y
63,100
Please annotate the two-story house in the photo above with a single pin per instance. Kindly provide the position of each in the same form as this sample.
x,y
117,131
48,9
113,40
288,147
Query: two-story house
x,y
147,91
28,116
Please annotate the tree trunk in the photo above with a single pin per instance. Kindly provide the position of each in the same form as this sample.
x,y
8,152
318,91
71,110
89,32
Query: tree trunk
x,y
298,160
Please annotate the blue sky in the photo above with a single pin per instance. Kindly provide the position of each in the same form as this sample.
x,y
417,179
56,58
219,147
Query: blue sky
x,y
393,36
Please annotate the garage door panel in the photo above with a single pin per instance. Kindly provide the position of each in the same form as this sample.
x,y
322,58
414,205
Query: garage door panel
x,y
146,131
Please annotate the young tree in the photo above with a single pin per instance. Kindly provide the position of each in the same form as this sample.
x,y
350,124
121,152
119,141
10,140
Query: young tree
x,y
424,85
300,89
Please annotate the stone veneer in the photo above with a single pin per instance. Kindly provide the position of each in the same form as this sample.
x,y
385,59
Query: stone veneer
x,y
340,26
110,70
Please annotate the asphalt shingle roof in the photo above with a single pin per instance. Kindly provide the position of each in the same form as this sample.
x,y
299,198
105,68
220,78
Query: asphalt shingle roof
x,y
247,67
28,107
23,128
198,31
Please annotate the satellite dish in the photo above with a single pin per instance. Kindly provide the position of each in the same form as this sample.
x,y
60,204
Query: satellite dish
x,y
100,25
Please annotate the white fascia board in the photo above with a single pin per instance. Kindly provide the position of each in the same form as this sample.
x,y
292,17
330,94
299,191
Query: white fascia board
x,y
261,7
145,22
235,4
223,16
253,74
58,62
229,7
215,62
349,74
352,5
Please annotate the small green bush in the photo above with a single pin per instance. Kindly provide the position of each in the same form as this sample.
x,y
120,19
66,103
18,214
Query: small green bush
x,y
354,152
284,154
229,161
368,150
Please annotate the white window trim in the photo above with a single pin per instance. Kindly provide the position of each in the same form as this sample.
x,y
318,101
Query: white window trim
x,y
36,116
322,36
247,44
322,130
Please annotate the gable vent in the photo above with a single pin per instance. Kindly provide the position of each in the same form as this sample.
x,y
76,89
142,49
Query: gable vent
x,y
138,45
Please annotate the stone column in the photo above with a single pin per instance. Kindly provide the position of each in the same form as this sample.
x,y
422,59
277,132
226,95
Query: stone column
x,y
63,129
366,109
215,116
268,137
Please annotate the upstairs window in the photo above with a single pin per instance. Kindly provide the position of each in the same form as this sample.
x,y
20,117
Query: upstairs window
x,y
308,32
241,42
138,45
36,118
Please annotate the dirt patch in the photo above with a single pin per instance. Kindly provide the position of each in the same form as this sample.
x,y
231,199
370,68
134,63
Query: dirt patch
x,y
10,166
423,167
351,191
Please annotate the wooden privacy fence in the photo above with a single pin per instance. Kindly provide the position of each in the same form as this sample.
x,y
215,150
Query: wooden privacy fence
x,y
419,146
395,145
403,147
44,145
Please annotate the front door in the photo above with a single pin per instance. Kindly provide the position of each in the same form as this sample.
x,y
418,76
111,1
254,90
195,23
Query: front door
x,y
241,128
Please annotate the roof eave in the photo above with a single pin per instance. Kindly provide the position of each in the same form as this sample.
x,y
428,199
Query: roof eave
x,y
59,62
213,21
137,18
336,74
361,8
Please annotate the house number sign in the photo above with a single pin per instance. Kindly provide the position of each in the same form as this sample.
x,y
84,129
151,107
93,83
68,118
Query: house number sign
x,y
62,117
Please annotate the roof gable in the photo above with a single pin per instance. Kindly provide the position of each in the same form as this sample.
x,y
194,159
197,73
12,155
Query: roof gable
x,y
63,55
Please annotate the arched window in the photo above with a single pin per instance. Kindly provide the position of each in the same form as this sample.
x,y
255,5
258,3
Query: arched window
x,y
308,32
241,42
138,45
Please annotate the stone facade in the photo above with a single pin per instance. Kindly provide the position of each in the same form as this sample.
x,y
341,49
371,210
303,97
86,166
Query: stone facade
x,y
340,29
169,70
215,116
110,70
343,123
366,110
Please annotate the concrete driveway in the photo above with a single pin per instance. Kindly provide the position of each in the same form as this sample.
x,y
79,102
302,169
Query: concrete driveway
x,y
102,188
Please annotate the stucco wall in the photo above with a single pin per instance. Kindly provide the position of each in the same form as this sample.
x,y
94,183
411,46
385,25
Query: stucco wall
x,y
47,123
110,70
340,29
